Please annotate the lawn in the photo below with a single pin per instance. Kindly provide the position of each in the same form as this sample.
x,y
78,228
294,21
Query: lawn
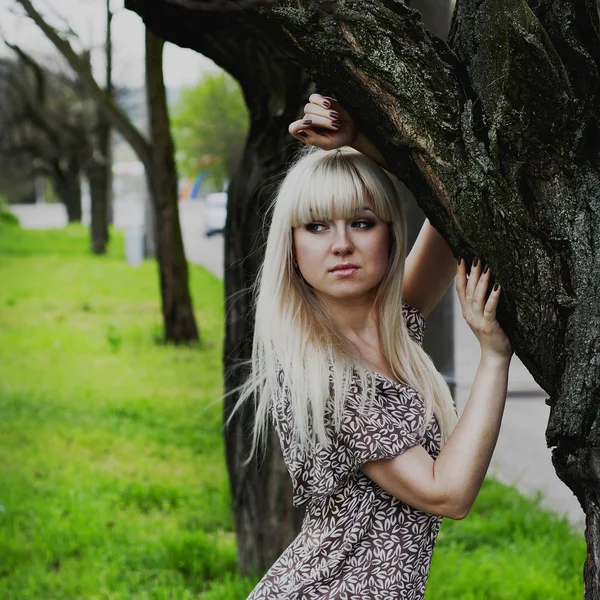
x,y
112,479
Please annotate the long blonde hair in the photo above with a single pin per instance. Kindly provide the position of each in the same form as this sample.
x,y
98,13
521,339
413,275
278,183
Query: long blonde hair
x,y
295,343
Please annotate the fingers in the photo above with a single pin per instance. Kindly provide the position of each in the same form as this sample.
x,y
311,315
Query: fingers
x,y
471,291
474,273
492,302
480,290
324,101
312,120
314,110
325,124
304,131
322,105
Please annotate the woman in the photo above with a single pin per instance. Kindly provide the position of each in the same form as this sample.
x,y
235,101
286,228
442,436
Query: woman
x,y
367,425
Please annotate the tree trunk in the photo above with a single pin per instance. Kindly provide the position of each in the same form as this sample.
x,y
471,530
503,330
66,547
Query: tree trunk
x,y
67,184
96,173
99,172
266,521
178,313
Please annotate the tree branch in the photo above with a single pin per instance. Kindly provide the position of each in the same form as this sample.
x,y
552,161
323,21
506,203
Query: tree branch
x,y
83,70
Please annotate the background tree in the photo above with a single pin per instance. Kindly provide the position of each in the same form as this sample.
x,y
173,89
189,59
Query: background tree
x,y
99,170
50,128
45,127
157,156
210,125
496,133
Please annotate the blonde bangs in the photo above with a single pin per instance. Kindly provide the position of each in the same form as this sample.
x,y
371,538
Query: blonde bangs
x,y
335,186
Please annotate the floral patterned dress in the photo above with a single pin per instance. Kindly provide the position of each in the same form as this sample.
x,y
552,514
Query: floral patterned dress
x,y
357,541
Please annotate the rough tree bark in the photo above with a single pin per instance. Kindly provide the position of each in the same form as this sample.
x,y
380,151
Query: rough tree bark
x,y
496,133
178,316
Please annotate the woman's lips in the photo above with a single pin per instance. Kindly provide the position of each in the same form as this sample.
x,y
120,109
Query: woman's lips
x,y
345,272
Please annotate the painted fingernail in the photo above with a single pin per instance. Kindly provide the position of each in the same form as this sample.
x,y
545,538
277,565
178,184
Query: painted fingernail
x,y
486,270
307,122
496,287
334,114
460,260
337,123
303,133
475,261
326,103
331,98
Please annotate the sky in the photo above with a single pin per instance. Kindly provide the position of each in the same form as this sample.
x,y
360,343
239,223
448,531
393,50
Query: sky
x,y
182,67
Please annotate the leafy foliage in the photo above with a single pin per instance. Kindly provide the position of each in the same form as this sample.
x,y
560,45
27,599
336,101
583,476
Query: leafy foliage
x,y
210,124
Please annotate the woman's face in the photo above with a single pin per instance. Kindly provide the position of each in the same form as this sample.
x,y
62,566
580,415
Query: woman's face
x,y
344,258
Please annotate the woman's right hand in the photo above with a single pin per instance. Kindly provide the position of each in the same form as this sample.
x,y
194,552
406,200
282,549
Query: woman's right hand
x,y
479,314
325,124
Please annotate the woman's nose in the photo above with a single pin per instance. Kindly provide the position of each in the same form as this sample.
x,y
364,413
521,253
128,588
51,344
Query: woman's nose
x,y
342,244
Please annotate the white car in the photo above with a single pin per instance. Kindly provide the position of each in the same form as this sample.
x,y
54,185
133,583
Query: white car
x,y
215,213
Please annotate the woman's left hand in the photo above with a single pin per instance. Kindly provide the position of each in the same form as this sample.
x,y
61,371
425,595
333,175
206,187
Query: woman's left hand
x,y
325,124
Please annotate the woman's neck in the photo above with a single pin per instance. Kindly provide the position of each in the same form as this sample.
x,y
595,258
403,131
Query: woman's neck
x,y
355,319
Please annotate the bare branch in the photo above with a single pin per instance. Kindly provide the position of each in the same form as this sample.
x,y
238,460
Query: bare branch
x,y
35,66
119,120
68,30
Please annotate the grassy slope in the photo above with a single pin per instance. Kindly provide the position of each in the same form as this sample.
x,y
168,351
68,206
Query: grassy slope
x,y
112,470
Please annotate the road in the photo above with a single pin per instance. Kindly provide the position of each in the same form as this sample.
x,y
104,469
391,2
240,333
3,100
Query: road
x,y
521,456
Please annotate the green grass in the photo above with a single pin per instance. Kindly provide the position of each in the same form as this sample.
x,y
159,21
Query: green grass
x,y
113,482
113,473
507,548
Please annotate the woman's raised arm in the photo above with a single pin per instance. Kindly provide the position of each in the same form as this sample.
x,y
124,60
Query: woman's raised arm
x,y
429,270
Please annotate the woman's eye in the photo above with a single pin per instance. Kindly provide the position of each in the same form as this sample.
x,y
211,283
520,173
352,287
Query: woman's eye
x,y
363,224
314,226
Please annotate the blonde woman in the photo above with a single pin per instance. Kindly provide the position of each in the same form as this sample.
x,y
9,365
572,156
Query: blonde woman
x,y
367,425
